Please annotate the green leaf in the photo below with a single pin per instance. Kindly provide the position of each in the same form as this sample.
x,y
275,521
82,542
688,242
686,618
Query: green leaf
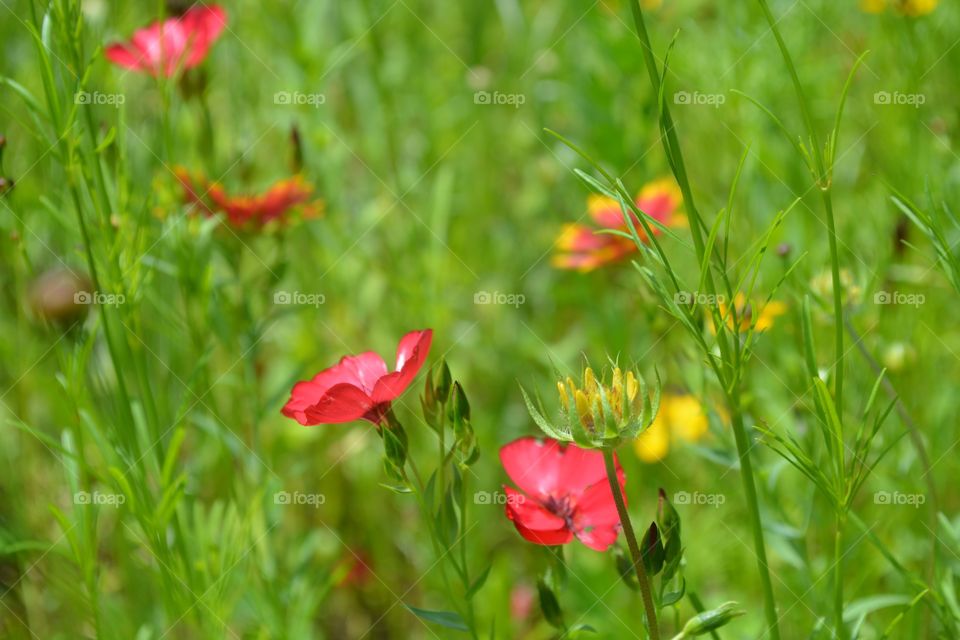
x,y
550,605
447,619
479,582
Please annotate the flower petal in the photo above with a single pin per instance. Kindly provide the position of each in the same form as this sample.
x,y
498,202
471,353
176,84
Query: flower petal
x,y
411,354
599,538
544,468
358,371
596,506
528,513
533,465
341,403
549,538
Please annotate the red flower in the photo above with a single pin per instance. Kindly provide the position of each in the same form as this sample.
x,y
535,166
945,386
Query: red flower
x,y
564,493
181,42
583,249
358,386
257,209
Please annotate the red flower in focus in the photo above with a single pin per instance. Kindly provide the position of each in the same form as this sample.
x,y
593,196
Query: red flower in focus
x,y
257,209
165,47
583,249
564,493
358,386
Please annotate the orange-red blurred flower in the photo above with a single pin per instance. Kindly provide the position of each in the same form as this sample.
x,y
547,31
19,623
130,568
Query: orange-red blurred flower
x,y
582,248
177,43
258,209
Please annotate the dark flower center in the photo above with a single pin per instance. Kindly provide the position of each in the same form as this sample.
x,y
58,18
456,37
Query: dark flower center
x,y
562,507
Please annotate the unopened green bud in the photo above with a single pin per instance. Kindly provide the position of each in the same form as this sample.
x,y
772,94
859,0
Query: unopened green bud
x,y
710,620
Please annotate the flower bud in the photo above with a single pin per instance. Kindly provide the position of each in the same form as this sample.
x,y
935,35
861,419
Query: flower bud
x,y
599,412
710,620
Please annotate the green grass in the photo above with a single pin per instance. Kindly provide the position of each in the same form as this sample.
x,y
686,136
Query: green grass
x,y
171,400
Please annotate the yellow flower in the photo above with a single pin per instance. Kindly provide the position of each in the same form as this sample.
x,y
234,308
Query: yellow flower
x,y
912,8
681,416
822,285
748,316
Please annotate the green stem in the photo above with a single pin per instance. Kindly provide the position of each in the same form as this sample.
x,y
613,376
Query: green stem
x,y
753,506
631,536
841,630
837,294
824,178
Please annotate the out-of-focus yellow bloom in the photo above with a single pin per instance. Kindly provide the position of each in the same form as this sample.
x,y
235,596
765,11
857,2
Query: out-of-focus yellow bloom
x,y
822,285
912,8
681,416
747,314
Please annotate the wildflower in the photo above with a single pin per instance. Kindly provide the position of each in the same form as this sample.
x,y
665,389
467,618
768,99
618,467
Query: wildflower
x,y
563,493
822,285
681,416
583,249
599,412
358,386
166,47
243,210
910,8
747,315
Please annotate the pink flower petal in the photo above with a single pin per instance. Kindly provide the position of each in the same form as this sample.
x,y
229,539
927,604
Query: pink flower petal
x,y
549,538
411,353
341,403
599,538
530,514
534,466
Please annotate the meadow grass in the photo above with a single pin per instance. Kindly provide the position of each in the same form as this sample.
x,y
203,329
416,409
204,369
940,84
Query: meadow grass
x,y
154,490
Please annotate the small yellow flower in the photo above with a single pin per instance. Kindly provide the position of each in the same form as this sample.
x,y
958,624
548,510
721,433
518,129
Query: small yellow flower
x,y
911,8
822,285
747,314
681,417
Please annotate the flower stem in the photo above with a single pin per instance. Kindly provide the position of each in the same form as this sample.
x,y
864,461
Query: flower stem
x,y
841,630
750,491
631,537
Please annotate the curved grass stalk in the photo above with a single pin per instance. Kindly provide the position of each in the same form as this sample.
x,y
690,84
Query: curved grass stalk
x,y
731,357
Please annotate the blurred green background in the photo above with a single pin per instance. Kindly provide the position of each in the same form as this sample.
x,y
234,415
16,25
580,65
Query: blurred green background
x,y
433,196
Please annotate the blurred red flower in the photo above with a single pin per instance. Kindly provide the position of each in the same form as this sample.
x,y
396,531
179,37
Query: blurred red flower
x,y
258,209
358,386
166,47
583,249
564,493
